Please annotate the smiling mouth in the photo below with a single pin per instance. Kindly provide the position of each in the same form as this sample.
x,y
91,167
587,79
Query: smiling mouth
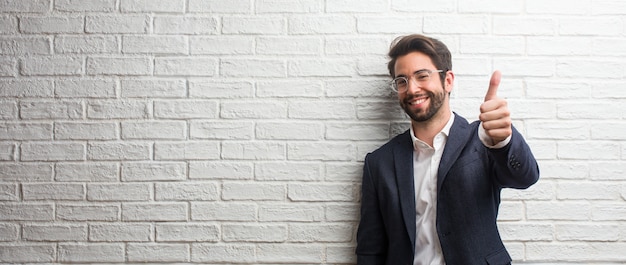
x,y
417,100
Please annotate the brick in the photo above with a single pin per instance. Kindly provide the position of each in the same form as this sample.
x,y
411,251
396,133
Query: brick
x,y
187,232
321,192
343,171
185,109
153,88
608,7
253,150
600,150
524,26
188,150
129,109
564,170
558,211
218,211
563,130
201,45
147,6
252,68
389,25
158,253
287,171
587,232
31,6
493,6
189,191
8,25
116,192
154,212
265,109
119,151
26,88
220,170
291,213
356,46
24,45
448,24
52,24
255,191
52,152
526,231
26,172
92,252
120,232
289,45
58,65
7,152
185,66
322,67
570,46
324,151
253,25
510,211
86,172
85,131
150,171
85,88
337,254
377,110
608,211
608,131
88,212
111,24
221,130
26,212
8,66
321,232
289,131
55,233
9,192
580,110
154,45
607,47
217,6
352,131
492,45
85,5
235,253
215,89
574,252
556,7
160,130
326,110
254,233
289,89
571,68
286,6
533,67
311,25
27,252
606,170
344,212
558,89
86,44
189,25
51,110
8,232
359,89
53,191
290,253
134,66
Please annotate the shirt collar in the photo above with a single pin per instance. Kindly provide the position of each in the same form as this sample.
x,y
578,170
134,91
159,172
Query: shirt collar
x,y
417,143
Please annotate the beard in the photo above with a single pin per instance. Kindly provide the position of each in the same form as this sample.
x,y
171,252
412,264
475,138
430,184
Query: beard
x,y
421,115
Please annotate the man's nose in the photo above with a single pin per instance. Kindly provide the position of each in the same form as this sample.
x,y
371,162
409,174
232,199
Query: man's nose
x,y
413,86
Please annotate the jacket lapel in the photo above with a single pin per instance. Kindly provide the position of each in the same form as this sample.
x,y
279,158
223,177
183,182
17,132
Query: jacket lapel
x,y
403,158
457,139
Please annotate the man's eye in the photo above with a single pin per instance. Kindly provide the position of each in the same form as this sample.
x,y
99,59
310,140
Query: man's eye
x,y
421,76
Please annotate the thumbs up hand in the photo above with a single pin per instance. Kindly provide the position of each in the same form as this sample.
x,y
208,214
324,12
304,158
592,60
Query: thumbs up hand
x,y
494,113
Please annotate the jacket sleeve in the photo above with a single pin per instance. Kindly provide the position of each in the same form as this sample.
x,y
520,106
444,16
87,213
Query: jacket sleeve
x,y
514,165
371,235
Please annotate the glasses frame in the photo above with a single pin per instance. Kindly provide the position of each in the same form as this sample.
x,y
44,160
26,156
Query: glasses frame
x,y
393,86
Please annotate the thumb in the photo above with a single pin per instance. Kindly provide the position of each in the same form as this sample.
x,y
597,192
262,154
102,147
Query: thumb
x,y
493,85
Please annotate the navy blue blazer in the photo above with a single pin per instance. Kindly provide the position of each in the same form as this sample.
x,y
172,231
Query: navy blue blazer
x,y
469,180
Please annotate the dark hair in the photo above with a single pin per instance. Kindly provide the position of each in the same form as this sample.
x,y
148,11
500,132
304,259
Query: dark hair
x,y
433,48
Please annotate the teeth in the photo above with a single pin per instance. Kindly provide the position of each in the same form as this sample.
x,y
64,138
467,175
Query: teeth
x,y
419,101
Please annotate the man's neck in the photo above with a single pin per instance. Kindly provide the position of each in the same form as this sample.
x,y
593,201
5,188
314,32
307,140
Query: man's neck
x,y
427,130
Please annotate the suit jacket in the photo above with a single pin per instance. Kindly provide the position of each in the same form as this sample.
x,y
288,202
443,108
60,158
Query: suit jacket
x,y
469,180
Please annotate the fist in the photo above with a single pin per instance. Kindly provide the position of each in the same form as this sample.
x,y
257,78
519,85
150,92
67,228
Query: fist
x,y
494,112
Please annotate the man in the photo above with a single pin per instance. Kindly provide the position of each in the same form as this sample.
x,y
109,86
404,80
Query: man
x,y
431,195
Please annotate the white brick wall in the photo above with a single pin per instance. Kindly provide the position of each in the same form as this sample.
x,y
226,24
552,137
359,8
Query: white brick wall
x,y
212,132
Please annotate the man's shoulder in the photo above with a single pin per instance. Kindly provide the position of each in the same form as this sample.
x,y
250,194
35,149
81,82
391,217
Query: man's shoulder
x,y
387,148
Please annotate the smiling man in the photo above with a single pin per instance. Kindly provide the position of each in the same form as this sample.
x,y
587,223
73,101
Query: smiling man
x,y
431,195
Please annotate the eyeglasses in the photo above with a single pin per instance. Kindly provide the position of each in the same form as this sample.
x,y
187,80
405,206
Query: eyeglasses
x,y
401,84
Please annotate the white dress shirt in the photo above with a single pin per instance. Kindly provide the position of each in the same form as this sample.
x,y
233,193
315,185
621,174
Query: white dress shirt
x,y
426,160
